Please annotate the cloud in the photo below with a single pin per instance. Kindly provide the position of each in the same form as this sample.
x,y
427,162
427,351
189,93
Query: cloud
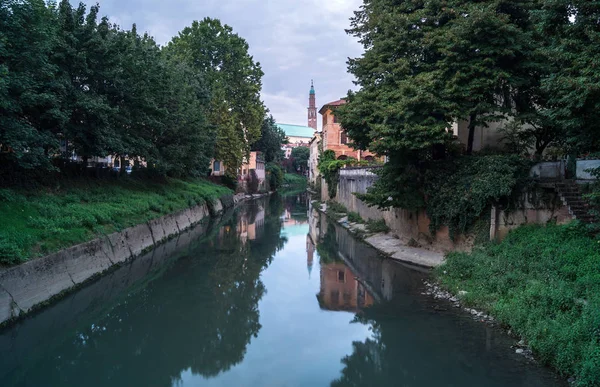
x,y
294,40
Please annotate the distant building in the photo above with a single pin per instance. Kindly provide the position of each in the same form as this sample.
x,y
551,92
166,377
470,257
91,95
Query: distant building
x,y
297,135
313,160
312,107
335,138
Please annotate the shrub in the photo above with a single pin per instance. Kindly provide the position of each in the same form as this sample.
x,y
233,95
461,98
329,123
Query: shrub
x,y
377,226
354,217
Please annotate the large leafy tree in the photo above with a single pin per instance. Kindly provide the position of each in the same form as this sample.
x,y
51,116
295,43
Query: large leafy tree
x,y
569,40
29,96
234,78
271,139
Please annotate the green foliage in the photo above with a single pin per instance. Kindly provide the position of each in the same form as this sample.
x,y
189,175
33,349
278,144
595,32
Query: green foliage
x,y
71,83
41,223
336,208
274,175
354,217
377,226
459,192
594,196
300,155
543,282
294,180
329,168
221,57
271,139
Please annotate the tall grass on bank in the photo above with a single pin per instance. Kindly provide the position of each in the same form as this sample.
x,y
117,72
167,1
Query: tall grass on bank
x,y
543,282
36,224
294,180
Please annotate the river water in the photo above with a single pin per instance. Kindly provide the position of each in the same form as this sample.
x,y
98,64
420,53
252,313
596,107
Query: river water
x,y
272,295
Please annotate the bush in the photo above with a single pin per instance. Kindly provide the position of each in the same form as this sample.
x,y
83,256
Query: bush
x,y
544,282
457,193
354,217
377,226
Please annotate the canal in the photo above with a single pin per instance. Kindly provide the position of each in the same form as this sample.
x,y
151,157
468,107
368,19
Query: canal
x,y
271,295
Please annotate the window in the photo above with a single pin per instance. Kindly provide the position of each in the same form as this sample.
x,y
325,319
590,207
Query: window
x,y
217,166
343,138
341,276
335,119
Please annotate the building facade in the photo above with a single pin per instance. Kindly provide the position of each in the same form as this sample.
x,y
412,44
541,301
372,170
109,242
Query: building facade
x,y
297,135
335,138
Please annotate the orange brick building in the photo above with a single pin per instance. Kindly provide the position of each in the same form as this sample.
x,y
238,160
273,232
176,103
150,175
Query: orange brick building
x,y
334,137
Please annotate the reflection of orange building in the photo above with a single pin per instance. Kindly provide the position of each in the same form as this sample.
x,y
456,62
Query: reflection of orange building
x,y
340,290
250,229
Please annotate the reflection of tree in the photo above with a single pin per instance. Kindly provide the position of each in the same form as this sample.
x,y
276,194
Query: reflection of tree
x,y
200,315
328,247
297,205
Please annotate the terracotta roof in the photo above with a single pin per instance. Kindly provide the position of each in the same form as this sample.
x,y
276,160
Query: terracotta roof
x,y
339,102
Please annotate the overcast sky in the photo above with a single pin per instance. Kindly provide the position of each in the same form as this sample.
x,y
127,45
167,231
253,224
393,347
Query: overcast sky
x,y
294,40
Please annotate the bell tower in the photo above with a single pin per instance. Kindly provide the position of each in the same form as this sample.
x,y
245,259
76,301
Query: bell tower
x,y
312,108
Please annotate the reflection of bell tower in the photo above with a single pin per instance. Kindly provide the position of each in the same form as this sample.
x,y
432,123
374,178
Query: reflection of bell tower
x,y
310,252
312,108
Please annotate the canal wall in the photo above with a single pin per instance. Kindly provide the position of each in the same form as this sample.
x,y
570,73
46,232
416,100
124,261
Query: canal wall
x,y
535,206
32,284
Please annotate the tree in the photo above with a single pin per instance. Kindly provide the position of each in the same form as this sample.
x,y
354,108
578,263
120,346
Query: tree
x,y
221,57
271,139
568,35
300,155
29,96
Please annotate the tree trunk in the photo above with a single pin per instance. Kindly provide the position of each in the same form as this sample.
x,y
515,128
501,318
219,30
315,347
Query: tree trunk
x,y
471,138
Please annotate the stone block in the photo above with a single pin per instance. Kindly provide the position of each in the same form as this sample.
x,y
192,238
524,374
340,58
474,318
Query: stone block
x,y
157,229
169,225
120,247
37,281
88,259
138,238
183,220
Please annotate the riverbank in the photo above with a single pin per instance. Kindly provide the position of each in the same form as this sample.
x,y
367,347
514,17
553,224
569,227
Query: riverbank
x,y
27,287
376,235
41,222
544,284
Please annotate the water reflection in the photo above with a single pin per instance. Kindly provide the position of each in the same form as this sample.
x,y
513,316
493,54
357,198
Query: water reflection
x,y
414,340
199,315
237,308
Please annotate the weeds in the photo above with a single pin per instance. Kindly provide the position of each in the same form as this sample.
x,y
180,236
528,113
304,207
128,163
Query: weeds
x,y
377,226
354,217
544,282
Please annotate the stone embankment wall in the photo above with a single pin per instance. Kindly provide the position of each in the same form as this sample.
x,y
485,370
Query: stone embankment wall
x,y
405,224
538,207
25,287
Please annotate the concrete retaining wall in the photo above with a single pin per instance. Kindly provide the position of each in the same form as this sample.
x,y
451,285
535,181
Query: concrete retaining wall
x,y
414,225
405,224
29,285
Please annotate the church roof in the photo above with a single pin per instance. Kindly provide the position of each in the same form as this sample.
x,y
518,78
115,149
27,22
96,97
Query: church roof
x,y
339,102
297,130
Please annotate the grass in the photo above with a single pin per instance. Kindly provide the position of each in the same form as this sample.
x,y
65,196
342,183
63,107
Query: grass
x,y
377,226
336,210
543,282
36,224
292,179
354,217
